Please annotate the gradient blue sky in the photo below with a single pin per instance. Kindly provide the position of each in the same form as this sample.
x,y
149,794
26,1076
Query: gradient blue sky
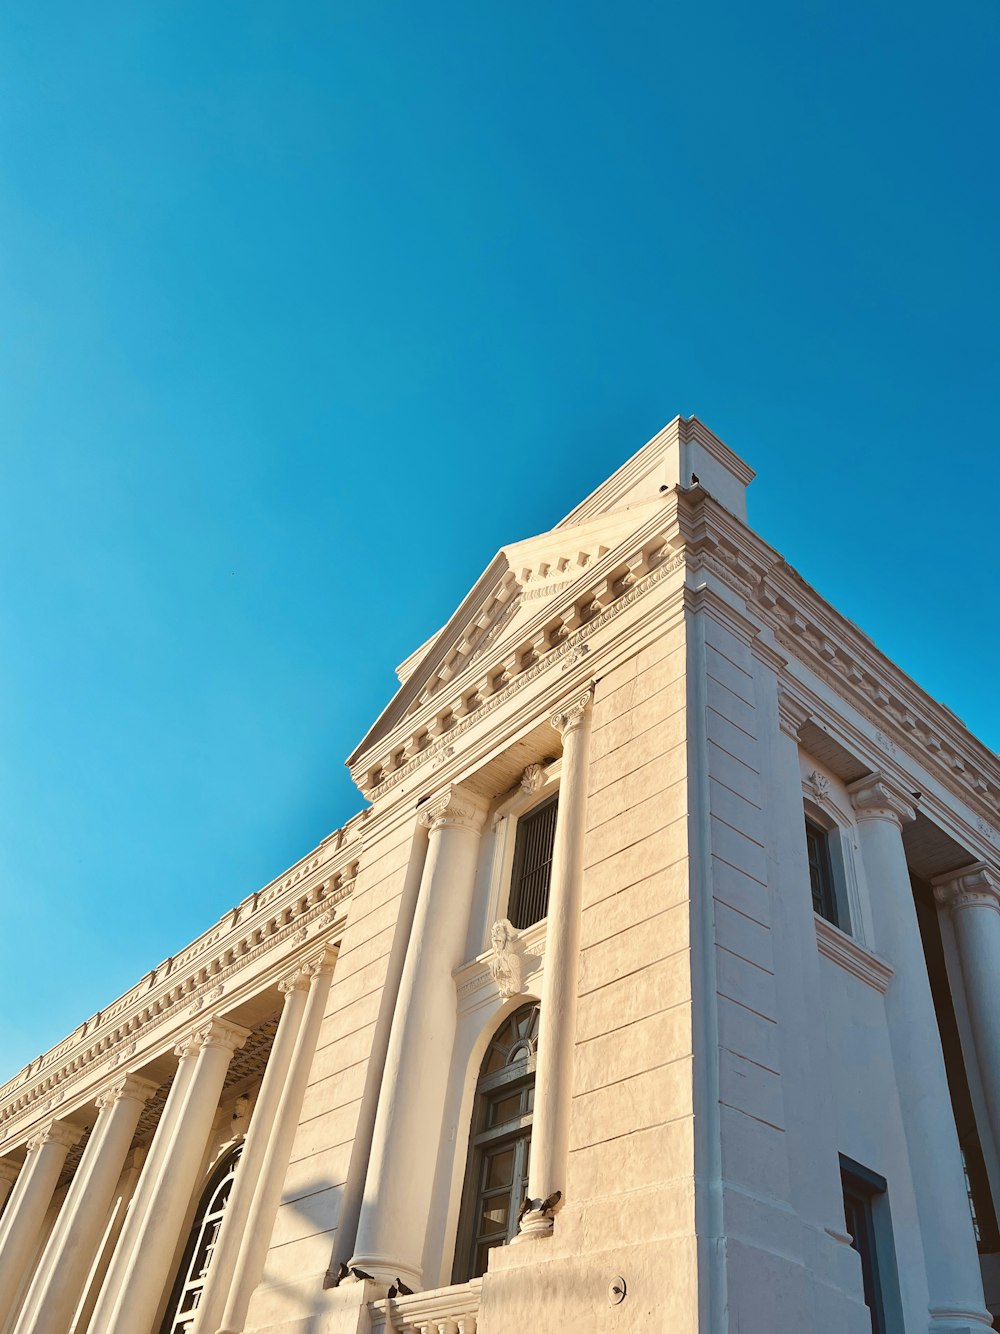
x,y
305,309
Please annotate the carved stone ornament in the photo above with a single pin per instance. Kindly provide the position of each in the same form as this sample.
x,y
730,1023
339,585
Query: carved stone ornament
x,y
975,886
505,961
818,786
572,715
56,1132
877,798
533,777
453,807
131,1087
792,714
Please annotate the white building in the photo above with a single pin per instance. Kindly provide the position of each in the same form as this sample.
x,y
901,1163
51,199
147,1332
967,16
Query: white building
x,y
665,870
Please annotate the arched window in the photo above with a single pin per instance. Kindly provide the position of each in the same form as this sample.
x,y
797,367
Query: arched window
x,y
499,1144
190,1281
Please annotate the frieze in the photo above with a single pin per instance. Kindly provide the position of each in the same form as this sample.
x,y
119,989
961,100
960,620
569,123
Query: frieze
x,y
513,687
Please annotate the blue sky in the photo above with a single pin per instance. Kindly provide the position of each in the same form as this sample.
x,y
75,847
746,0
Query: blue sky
x,y
305,310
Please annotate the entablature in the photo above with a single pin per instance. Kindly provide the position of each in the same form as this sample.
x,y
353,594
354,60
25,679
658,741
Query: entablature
x,y
254,940
841,656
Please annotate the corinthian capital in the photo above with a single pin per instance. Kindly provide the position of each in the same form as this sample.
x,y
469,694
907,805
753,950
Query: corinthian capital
x,y
975,886
878,798
215,1033
56,1132
454,806
131,1087
572,714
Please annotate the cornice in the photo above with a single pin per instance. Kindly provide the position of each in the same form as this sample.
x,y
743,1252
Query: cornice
x,y
307,900
844,951
842,656
557,637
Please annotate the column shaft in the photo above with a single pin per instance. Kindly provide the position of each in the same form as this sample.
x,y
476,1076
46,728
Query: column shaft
x,y
69,1251
951,1261
973,895
557,1027
27,1210
8,1175
410,1114
148,1177
249,1245
148,1267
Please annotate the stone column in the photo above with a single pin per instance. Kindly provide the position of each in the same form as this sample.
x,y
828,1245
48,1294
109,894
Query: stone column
x,y
147,1268
8,1175
557,1026
136,1209
26,1212
69,1251
973,896
410,1112
954,1282
246,1235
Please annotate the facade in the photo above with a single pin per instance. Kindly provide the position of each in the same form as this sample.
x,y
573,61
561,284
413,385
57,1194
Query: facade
x,y
657,986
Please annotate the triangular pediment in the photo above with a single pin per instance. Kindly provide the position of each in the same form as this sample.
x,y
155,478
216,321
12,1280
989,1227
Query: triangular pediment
x,y
520,581
525,578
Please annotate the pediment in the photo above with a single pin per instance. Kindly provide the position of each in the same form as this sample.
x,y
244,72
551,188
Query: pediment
x,y
516,585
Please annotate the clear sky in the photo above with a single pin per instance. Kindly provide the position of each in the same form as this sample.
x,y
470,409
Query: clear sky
x,y
306,309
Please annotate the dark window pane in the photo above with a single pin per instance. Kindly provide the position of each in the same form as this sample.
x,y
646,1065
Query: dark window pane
x,y
499,1169
505,1109
820,872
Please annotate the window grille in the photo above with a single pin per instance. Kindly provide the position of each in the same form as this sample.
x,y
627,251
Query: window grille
x,y
532,871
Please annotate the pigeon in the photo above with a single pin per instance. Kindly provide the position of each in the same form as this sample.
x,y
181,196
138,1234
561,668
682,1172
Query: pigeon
x,y
360,1273
399,1289
549,1204
342,1273
695,479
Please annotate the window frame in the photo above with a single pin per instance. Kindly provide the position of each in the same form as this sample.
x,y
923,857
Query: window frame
x,y
516,1076
173,1317
504,821
876,1248
515,884
843,888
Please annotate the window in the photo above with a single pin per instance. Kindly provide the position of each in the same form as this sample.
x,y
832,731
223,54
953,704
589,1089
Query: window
x,y
190,1282
866,1217
500,1143
821,881
532,871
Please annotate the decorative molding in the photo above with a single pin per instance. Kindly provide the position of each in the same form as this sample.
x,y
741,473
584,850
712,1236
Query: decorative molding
x,y
268,922
505,960
903,717
533,778
843,950
876,797
792,714
975,886
514,681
